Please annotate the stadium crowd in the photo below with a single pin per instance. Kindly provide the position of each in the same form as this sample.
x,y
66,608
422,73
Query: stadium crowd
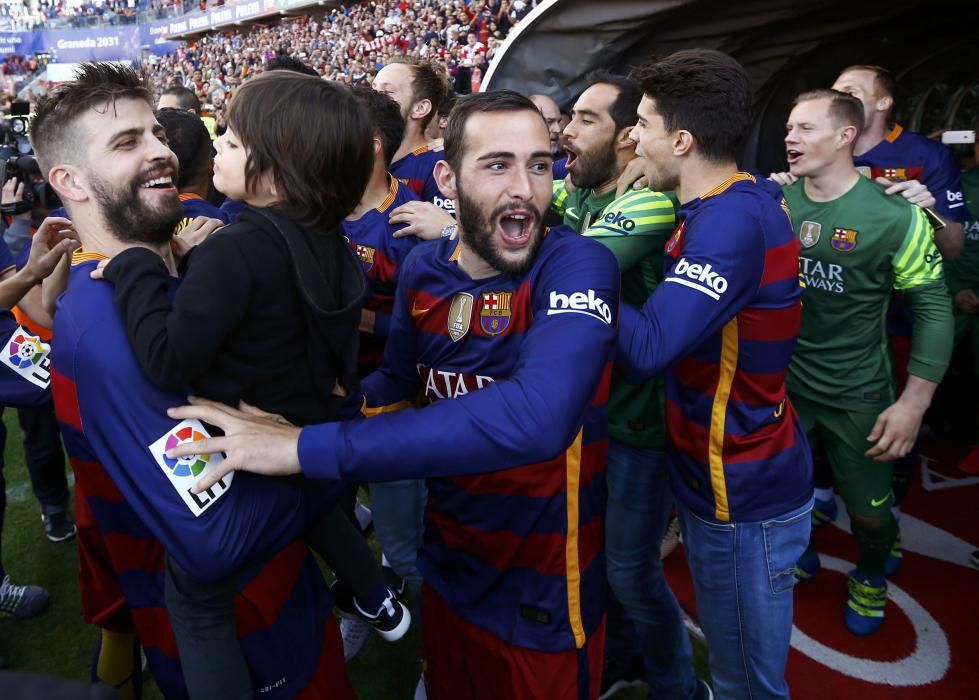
x,y
437,278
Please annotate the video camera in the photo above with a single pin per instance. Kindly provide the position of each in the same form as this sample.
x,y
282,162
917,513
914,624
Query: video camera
x,y
17,160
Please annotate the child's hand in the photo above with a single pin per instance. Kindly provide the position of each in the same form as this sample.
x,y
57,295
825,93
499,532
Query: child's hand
x,y
197,231
97,273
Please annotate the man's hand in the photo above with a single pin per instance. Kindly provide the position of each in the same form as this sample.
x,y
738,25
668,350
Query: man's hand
x,y
632,177
783,179
912,190
423,219
967,301
253,440
897,427
12,192
54,238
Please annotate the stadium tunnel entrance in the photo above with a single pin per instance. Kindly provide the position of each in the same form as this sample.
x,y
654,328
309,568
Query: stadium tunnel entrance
x,y
787,46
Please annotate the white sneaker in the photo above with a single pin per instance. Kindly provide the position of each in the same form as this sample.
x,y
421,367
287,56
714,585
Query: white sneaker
x,y
670,538
420,692
355,634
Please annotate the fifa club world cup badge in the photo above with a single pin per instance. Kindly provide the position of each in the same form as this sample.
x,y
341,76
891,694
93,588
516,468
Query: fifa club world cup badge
x,y
27,355
494,316
460,316
184,472
809,233
844,240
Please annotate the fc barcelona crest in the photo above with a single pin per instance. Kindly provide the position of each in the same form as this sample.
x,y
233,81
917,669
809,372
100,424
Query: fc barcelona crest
x,y
494,316
460,316
675,239
809,233
366,256
844,240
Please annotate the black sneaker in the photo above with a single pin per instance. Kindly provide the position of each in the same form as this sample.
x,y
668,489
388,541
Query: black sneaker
x,y
391,621
21,602
58,526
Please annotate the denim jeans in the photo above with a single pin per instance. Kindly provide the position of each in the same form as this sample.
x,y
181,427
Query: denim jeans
x,y
743,574
639,503
398,509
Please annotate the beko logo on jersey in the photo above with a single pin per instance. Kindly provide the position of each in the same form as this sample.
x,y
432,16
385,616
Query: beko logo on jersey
x,y
617,218
699,277
444,203
587,303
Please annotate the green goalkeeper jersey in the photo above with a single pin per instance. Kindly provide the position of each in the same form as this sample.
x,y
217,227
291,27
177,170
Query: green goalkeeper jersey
x,y
635,228
854,251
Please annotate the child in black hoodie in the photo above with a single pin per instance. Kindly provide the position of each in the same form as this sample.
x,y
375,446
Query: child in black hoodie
x,y
266,313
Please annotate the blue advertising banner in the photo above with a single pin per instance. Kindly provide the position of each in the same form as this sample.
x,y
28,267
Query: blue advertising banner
x,y
91,44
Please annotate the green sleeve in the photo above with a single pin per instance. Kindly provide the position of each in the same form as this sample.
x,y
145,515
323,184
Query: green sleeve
x,y
917,262
934,331
559,197
635,226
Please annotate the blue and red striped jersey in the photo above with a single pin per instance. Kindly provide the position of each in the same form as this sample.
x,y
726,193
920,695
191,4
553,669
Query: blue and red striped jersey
x,y
371,237
724,322
513,374
417,170
132,501
906,155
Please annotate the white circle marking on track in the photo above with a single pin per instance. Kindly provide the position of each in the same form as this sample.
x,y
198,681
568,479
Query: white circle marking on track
x,y
928,663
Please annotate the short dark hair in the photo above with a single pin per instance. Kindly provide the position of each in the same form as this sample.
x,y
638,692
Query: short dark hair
x,y
465,107
189,141
320,174
705,92
283,61
426,83
845,109
54,134
186,98
386,118
623,108
883,79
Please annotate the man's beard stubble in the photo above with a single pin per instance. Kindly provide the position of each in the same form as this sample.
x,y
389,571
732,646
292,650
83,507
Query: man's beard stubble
x,y
596,168
130,219
478,233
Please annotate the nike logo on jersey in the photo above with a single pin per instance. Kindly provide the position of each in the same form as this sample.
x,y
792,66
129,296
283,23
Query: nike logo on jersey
x,y
570,212
416,312
875,503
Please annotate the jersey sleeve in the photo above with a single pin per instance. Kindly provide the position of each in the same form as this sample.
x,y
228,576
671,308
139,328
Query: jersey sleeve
x,y
559,197
716,275
7,261
636,225
917,261
177,343
944,181
528,417
932,338
236,523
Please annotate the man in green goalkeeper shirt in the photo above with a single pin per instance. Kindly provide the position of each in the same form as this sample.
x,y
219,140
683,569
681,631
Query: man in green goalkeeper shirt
x,y
962,276
635,228
857,244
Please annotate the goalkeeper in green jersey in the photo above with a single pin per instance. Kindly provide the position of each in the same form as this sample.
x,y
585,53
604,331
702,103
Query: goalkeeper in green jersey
x,y
857,244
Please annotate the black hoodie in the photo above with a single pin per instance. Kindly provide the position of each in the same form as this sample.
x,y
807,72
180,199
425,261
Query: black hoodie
x,y
265,312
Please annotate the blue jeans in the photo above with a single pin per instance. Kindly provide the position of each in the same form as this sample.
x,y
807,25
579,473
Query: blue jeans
x,y
398,508
743,574
639,502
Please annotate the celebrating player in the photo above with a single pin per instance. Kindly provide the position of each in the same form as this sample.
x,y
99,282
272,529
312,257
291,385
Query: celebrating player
x,y
857,246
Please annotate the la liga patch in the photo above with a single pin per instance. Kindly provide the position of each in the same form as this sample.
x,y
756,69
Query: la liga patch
x,y
184,472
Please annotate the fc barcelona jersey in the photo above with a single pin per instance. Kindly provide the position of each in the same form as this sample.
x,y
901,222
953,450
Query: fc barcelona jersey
x,y
513,374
